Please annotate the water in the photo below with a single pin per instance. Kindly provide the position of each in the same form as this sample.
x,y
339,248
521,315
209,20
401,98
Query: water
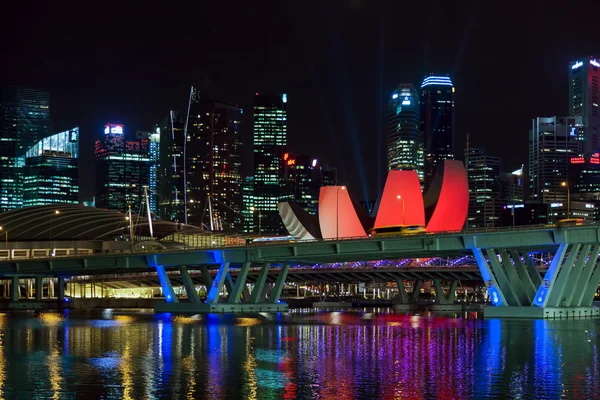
x,y
337,355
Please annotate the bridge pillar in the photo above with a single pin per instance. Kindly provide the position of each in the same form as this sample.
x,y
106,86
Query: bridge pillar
x,y
238,299
188,284
440,296
406,301
39,287
165,283
15,288
61,288
517,289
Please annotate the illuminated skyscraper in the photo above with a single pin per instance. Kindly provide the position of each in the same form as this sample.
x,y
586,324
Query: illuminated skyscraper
x,y
485,204
154,170
270,139
52,170
24,121
584,100
437,123
552,143
207,165
122,169
405,142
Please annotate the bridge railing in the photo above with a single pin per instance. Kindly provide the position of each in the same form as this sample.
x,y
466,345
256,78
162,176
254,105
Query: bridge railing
x,y
24,254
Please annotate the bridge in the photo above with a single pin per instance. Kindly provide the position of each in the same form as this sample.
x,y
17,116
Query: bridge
x,y
504,260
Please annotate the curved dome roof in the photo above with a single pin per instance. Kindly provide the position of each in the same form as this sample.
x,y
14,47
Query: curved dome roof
x,y
77,222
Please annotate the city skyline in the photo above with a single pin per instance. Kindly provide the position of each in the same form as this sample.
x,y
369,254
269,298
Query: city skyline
x,y
339,86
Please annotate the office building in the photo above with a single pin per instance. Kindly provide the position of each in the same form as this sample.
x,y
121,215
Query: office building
x,y
249,214
122,169
485,206
511,192
303,178
171,169
404,140
553,142
200,177
437,123
24,121
153,189
584,100
527,213
52,170
269,141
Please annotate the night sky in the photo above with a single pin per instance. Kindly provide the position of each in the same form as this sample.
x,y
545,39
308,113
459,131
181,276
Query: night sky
x,y
337,60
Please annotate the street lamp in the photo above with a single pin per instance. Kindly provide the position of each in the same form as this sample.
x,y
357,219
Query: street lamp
x,y
568,198
401,198
6,238
337,211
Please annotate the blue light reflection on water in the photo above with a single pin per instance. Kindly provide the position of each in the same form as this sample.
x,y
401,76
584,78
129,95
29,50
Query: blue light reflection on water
x,y
312,355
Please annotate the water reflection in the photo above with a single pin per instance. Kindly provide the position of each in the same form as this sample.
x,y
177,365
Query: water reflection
x,y
341,355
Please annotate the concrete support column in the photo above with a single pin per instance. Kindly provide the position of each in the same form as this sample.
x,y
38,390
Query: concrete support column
x,y
235,294
217,285
61,288
188,284
39,287
542,294
166,285
279,284
259,285
14,295
494,290
402,295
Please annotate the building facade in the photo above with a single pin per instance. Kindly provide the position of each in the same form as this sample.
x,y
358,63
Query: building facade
x,y
153,189
553,142
584,100
485,204
437,123
122,169
203,164
24,121
52,170
404,139
269,142
303,179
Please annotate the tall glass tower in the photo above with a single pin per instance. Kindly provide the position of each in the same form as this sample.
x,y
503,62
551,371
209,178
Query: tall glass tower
x,y
584,100
24,121
405,142
270,139
52,170
122,169
437,123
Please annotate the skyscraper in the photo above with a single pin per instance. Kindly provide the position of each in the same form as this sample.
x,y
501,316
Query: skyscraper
x,y
584,100
553,142
270,139
405,142
485,205
122,169
437,123
24,121
205,165
153,188
303,178
52,170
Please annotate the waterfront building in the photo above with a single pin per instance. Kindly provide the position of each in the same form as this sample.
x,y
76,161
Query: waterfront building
x,y
584,100
404,139
51,173
525,213
122,169
437,123
24,121
553,141
485,206
269,141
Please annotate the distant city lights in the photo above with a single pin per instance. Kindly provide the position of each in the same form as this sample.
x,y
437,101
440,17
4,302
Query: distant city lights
x,y
577,65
